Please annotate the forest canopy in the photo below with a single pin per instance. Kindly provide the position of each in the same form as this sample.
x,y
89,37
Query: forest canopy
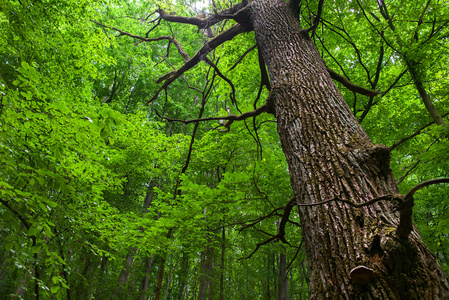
x,y
143,155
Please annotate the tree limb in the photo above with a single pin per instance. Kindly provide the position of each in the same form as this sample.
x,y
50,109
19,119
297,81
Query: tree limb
x,y
351,86
316,20
281,231
203,23
230,118
413,135
146,39
21,218
199,56
242,57
403,204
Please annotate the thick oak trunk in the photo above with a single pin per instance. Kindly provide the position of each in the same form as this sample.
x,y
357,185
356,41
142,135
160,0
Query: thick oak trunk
x,y
329,155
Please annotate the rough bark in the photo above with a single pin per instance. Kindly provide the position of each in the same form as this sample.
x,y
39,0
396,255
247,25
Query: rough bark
x,y
329,155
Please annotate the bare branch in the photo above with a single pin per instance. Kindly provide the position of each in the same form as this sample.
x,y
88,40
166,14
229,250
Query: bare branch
x,y
232,95
403,204
199,56
242,57
394,83
351,86
349,202
413,135
145,39
316,20
409,171
424,184
205,94
296,254
230,118
203,23
281,231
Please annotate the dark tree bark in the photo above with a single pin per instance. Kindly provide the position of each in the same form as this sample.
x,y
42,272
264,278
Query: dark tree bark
x,y
329,155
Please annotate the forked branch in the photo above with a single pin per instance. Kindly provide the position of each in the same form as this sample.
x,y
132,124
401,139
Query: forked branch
x,y
203,23
198,57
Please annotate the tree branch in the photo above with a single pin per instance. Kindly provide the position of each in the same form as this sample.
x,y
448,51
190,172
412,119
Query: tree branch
x,y
242,57
424,184
413,135
21,218
403,204
351,86
230,118
203,23
199,56
316,20
232,94
145,39
281,231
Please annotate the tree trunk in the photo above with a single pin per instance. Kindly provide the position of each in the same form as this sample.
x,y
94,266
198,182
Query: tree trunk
x,y
126,270
413,70
183,275
160,278
222,262
167,290
329,155
146,279
206,277
282,277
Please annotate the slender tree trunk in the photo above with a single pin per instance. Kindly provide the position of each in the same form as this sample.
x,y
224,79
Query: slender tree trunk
x,y
269,264
146,278
222,263
160,278
183,275
126,270
21,289
167,290
282,280
206,277
330,155
413,69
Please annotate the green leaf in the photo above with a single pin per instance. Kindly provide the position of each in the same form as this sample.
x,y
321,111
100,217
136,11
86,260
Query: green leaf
x,y
9,246
43,206
33,231
25,65
36,249
55,289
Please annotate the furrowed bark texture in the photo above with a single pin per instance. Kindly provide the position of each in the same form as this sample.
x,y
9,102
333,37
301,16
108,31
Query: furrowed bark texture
x,y
328,155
